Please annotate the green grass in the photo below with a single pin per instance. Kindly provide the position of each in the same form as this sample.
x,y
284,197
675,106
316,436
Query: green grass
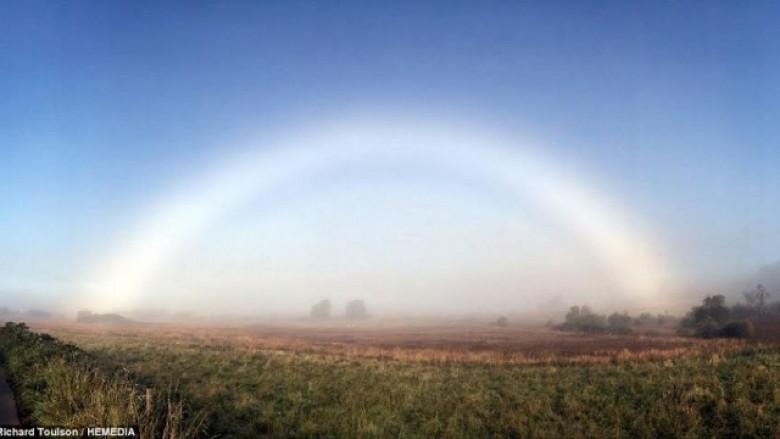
x,y
58,384
247,392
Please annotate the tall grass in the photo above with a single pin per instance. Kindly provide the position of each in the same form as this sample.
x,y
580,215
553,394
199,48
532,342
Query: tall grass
x,y
726,391
59,384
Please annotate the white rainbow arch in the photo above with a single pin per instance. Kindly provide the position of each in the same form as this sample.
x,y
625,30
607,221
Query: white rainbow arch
x,y
632,260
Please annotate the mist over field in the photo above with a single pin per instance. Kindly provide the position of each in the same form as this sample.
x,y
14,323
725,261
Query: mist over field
x,y
514,158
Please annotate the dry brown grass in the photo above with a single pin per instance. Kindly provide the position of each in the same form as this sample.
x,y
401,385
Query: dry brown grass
x,y
448,380
451,343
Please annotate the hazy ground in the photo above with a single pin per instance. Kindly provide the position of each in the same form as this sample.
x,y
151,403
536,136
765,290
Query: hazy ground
x,y
458,378
455,339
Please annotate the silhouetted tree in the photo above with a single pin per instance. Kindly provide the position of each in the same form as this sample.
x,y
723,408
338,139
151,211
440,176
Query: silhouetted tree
x,y
356,309
620,323
740,311
711,320
644,319
757,298
712,307
321,310
582,319
661,319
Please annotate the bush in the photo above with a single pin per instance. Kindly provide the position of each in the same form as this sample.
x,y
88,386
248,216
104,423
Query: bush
x,y
644,319
321,310
582,319
620,323
739,329
708,328
356,309
710,320
502,322
712,309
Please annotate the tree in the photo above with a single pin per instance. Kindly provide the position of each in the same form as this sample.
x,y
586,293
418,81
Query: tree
x,y
711,320
644,319
582,319
740,311
356,309
712,307
502,322
757,298
321,310
620,323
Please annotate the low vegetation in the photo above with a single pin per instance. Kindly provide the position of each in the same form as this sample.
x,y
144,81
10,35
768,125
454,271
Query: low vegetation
x,y
252,388
58,384
109,319
583,319
714,319
321,310
356,309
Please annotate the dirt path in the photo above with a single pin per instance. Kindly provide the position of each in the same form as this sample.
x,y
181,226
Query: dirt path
x,y
8,416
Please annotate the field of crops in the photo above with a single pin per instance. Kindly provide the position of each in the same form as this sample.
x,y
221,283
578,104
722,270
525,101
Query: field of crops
x,y
454,382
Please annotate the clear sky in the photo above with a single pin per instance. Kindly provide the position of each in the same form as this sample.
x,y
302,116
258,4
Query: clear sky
x,y
669,110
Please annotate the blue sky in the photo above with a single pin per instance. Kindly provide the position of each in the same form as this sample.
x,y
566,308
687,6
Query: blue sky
x,y
670,108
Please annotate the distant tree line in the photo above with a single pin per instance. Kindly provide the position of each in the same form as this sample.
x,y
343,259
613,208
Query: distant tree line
x,y
109,319
713,318
6,312
756,304
355,310
583,319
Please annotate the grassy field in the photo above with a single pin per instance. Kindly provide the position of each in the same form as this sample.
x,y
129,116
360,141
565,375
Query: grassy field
x,y
58,384
447,381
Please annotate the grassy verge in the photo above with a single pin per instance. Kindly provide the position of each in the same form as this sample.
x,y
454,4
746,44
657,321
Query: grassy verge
x,y
58,384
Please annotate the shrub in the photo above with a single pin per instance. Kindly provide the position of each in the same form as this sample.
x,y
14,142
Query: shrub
x,y
644,319
321,310
710,320
356,309
582,319
708,328
738,329
713,308
620,323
